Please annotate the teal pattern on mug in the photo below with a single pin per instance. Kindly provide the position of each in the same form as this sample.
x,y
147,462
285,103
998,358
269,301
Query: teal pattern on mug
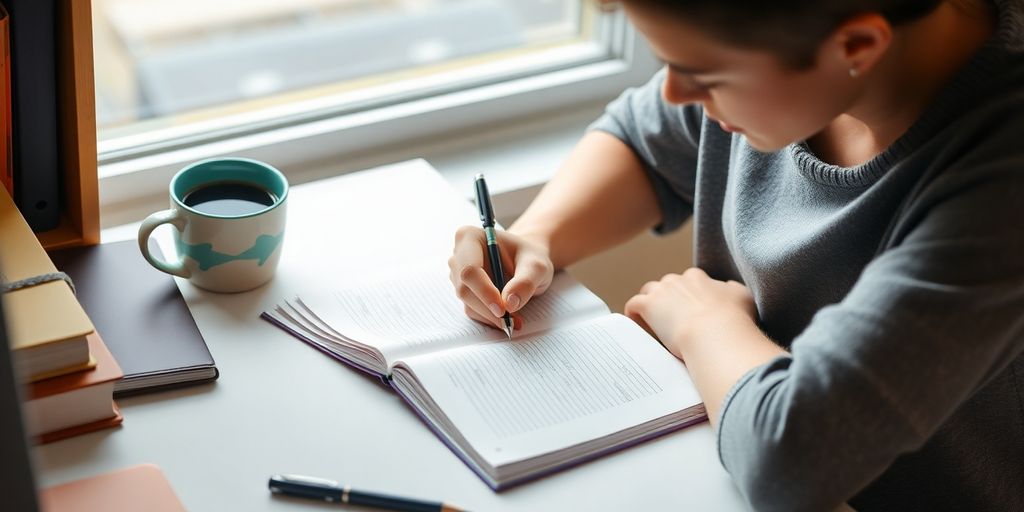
x,y
208,258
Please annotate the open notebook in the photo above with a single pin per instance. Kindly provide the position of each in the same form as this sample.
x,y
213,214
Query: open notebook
x,y
576,383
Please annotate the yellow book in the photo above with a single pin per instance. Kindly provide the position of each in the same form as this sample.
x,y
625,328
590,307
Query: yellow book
x,y
46,325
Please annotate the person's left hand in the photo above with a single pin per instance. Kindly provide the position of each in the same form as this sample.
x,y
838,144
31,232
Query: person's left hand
x,y
680,307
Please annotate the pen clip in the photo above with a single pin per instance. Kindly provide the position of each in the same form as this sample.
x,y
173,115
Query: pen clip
x,y
308,480
483,202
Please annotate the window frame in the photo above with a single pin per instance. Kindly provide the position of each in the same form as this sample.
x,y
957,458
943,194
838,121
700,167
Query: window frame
x,y
128,172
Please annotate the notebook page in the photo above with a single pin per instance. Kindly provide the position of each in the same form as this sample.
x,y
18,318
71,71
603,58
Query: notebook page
x,y
516,400
419,313
312,332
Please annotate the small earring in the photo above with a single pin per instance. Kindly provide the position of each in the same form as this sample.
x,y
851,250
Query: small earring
x,y
854,73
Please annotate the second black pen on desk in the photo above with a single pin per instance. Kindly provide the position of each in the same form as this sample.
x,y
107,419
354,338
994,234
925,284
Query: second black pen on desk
x,y
483,203
332,492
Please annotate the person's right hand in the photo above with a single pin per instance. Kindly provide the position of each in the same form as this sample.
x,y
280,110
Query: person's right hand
x,y
527,264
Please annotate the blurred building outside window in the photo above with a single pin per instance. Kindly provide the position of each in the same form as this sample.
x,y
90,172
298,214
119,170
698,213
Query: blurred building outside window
x,y
164,66
312,85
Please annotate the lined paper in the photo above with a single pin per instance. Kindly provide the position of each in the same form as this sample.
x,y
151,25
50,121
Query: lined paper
x,y
551,379
420,312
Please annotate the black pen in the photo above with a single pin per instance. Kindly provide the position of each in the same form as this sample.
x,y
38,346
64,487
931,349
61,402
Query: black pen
x,y
483,203
331,492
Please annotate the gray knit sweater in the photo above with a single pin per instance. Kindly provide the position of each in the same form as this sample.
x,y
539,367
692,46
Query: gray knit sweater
x,y
897,286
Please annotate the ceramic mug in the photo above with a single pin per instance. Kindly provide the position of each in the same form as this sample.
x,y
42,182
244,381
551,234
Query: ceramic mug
x,y
229,220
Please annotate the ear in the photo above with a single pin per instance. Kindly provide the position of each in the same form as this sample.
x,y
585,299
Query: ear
x,y
857,44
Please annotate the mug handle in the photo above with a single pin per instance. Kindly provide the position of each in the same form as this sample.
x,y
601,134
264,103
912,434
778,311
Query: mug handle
x,y
175,218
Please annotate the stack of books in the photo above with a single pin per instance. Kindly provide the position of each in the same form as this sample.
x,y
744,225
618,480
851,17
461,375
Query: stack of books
x,y
69,372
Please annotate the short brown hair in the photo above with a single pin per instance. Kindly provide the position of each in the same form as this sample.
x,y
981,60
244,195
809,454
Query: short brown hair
x,y
792,29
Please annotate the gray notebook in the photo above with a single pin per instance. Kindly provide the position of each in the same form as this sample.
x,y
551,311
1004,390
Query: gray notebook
x,y
141,316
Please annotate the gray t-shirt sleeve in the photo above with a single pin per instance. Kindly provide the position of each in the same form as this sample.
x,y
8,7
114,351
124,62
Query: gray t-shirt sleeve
x,y
928,323
665,137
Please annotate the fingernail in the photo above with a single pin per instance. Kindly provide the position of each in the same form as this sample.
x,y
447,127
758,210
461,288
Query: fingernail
x,y
495,310
512,302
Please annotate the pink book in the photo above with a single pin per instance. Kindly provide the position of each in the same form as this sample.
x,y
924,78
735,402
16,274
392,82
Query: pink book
x,y
142,487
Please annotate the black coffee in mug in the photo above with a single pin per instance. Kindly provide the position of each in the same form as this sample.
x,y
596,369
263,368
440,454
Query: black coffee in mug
x,y
229,199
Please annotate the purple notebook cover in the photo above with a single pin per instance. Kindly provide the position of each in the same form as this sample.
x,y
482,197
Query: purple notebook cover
x,y
536,476
498,487
141,315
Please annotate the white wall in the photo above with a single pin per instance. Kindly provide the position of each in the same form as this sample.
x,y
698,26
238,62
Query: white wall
x,y
617,274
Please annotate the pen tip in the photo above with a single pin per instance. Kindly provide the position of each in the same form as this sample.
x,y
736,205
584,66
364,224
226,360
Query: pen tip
x,y
508,330
479,176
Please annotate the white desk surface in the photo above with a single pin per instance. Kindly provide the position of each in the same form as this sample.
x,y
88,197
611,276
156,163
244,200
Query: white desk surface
x,y
282,407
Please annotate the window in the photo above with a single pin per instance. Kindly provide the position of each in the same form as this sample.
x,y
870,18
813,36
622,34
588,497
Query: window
x,y
301,80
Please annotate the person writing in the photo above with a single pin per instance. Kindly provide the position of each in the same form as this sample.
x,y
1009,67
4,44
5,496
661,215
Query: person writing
x,y
854,321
